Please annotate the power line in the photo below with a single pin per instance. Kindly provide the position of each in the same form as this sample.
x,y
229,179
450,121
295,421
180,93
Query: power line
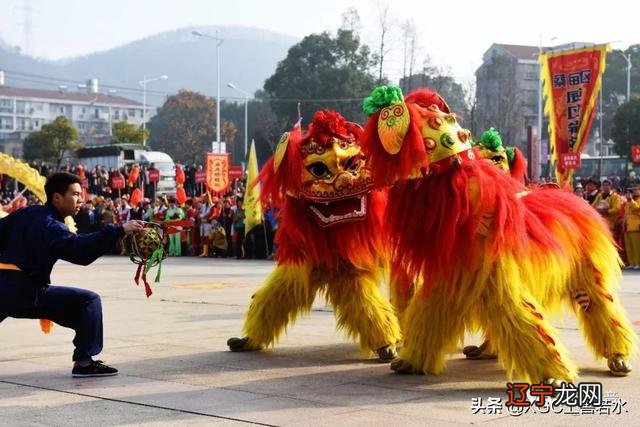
x,y
36,78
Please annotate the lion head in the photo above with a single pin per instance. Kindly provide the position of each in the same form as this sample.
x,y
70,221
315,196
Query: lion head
x,y
412,136
322,168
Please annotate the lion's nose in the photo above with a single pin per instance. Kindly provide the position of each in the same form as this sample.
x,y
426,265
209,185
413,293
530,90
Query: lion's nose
x,y
344,181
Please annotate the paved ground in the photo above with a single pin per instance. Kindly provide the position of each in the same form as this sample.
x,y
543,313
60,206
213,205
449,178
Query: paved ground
x,y
175,368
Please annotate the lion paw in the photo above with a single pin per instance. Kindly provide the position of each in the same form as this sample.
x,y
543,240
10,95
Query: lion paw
x,y
474,352
400,366
618,366
242,344
386,353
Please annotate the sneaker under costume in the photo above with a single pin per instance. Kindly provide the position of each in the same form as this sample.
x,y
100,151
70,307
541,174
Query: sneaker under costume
x,y
329,239
32,239
491,254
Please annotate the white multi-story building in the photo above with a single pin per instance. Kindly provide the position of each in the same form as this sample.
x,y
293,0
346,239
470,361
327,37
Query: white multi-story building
x,y
92,113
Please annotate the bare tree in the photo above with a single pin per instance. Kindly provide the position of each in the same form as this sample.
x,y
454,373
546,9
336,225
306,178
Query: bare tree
x,y
383,16
409,46
351,20
471,101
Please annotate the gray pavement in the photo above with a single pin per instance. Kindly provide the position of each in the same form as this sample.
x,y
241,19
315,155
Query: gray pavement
x,y
175,368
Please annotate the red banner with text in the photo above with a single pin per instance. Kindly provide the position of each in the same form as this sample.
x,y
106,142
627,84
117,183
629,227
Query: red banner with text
x,y
572,80
635,153
217,169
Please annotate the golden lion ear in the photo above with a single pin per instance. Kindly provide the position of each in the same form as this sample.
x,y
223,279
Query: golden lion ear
x,y
393,124
281,150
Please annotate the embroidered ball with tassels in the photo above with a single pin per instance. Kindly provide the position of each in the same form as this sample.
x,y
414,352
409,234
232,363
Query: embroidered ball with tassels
x,y
147,250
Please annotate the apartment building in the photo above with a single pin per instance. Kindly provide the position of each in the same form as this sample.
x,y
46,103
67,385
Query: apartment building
x,y
507,91
24,110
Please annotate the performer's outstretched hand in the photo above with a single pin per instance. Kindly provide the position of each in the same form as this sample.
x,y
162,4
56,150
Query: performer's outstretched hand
x,y
133,226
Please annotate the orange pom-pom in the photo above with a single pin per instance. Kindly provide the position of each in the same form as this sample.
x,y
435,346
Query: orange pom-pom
x,y
180,178
46,325
181,195
136,196
133,175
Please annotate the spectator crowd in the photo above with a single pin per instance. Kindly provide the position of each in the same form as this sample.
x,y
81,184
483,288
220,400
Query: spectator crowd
x,y
208,225
213,225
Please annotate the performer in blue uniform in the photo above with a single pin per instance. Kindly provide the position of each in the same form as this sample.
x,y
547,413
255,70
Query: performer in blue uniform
x,y
32,239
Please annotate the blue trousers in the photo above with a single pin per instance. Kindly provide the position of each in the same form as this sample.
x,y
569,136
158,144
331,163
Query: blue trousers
x,y
78,309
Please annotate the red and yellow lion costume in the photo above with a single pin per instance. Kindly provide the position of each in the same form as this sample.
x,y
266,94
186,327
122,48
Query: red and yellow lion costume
x,y
488,253
329,239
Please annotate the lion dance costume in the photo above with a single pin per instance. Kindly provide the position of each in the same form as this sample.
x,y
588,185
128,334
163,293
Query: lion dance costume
x,y
328,239
490,254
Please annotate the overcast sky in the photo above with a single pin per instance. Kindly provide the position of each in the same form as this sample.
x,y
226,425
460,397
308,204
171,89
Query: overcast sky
x,y
454,34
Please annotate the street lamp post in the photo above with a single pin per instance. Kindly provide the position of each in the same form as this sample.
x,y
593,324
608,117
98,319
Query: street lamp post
x,y
218,43
540,77
143,83
246,121
628,58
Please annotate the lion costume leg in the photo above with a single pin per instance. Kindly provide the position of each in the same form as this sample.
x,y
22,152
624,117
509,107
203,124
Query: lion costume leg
x,y
432,327
528,345
287,292
363,311
604,322
401,289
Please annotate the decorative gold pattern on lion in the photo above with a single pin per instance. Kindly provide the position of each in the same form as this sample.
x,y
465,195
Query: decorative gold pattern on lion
x,y
329,239
443,136
393,124
497,259
334,180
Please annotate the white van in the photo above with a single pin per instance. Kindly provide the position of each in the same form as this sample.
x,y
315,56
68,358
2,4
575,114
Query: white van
x,y
164,164
116,156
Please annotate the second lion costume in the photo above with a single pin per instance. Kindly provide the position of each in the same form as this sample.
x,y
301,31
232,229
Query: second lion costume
x,y
329,239
491,254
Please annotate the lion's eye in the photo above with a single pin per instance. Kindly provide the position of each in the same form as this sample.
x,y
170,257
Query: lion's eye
x,y
319,170
352,164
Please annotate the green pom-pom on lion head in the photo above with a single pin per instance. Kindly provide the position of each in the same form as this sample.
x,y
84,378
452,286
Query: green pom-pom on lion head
x,y
381,97
490,140
511,154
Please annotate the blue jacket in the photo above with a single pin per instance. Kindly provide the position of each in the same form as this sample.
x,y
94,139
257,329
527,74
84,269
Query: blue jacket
x,y
35,237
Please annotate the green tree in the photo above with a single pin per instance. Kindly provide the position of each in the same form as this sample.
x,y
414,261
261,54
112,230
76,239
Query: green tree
x,y
52,141
626,126
322,71
444,84
128,133
614,83
263,127
185,127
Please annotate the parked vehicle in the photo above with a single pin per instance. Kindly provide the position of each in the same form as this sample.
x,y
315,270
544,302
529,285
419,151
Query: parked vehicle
x,y
117,156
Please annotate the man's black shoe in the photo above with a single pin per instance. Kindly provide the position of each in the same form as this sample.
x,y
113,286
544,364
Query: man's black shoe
x,y
95,369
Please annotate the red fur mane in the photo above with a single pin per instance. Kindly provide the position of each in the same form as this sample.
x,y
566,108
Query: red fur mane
x,y
300,238
518,167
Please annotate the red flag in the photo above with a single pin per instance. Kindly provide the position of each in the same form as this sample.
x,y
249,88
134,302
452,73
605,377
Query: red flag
x,y
572,80
217,167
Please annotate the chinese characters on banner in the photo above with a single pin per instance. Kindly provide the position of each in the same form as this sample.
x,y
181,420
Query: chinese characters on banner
x,y
572,80
569,161
217,168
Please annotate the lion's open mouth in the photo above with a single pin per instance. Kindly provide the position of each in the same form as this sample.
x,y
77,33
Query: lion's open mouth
x,y
330,213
